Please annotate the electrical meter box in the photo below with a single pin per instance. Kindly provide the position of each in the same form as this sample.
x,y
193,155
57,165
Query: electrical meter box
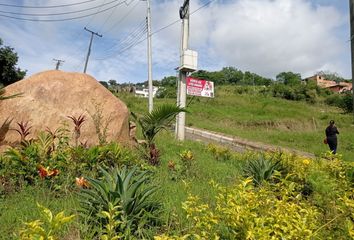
x,y
189,60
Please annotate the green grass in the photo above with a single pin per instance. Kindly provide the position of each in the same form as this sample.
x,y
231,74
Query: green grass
x,y
21,207
280,122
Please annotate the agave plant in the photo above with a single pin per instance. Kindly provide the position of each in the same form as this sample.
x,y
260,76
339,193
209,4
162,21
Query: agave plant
x,y
127,191
152,123
261,169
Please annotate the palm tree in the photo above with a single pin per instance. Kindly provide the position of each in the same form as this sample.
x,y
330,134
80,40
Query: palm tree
x,y
152,123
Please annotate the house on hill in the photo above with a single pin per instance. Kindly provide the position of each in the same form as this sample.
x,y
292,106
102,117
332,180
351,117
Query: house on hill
x,y
339,87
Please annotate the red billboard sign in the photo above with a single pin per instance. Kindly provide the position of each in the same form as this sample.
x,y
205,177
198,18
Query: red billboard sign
x,y
199,87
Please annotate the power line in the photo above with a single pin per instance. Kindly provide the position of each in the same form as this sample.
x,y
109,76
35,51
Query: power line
x,y
63,19
110,15
127,43
136,31
55,6
122,18
159,30
62,13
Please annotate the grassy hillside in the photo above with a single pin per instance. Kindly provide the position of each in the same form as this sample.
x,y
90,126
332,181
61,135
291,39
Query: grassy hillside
x,y
266,119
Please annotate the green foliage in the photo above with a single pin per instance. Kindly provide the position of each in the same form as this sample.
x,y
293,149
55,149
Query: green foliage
x,y
151,124
289,78
166,92
169,81
343,101
160,118
129,192
220,153
109,231
9,73
47,228
261,169
231,75
101,124
277,209
296,92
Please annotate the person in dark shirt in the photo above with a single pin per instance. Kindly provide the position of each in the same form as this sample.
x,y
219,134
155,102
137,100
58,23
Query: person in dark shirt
x,y
331,134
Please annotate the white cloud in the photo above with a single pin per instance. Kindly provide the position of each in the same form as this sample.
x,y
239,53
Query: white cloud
x,y
263,36
268,37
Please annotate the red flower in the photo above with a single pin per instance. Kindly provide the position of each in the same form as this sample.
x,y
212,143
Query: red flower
x,y
45,172
82,182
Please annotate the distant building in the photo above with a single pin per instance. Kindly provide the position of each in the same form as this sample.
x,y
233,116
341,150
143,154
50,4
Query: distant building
x,y
144,92
339,87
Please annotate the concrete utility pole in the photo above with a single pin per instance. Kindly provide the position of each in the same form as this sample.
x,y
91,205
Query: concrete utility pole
x,y
148,21
180,124
351,7
59,63
89,50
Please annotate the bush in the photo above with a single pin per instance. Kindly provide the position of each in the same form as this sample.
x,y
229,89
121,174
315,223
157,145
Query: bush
x,y
122,196
345,102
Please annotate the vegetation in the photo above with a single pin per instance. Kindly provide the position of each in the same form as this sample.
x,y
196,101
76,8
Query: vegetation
x,y
195,191
151,124
9,73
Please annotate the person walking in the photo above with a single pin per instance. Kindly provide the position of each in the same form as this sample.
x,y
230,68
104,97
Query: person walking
x,y
331,136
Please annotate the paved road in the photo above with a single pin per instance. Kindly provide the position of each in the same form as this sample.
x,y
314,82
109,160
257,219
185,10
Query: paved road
x,y
236,143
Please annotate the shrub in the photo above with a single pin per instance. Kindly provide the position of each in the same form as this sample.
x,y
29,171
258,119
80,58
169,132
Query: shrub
x,y
46,228
345,101
127,193
261,169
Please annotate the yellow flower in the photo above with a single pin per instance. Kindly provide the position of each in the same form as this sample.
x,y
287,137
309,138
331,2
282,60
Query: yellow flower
x,y
306,161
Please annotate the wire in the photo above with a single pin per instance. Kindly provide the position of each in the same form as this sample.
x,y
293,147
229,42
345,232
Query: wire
x,y
127,43
167,26
122,18
63,13
56,6
64,19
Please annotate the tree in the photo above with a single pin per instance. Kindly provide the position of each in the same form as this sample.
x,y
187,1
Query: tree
x,y
9,73
104,83
169,81
289,78
112,83
152,123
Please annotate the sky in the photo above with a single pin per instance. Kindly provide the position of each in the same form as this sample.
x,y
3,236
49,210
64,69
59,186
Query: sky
x,y
262,36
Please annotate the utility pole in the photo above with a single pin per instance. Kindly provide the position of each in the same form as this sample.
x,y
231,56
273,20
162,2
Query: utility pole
x,y
148,21
180,124
89,50
351,8
59,63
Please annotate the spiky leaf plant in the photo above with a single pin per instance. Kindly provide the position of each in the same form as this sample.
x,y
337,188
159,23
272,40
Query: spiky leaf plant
x,y
127,189
23,130
160,118
261,169
152,123
78,121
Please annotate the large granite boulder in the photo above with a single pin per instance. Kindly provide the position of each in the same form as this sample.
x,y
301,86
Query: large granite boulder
x,y
49,97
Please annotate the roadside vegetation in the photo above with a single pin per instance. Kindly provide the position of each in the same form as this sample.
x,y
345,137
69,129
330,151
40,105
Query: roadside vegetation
x,y
55,187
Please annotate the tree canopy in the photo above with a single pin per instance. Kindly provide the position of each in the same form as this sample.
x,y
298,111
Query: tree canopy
x,y
9,73
289,78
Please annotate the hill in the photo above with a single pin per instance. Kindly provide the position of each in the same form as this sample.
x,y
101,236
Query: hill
x,y
255,116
